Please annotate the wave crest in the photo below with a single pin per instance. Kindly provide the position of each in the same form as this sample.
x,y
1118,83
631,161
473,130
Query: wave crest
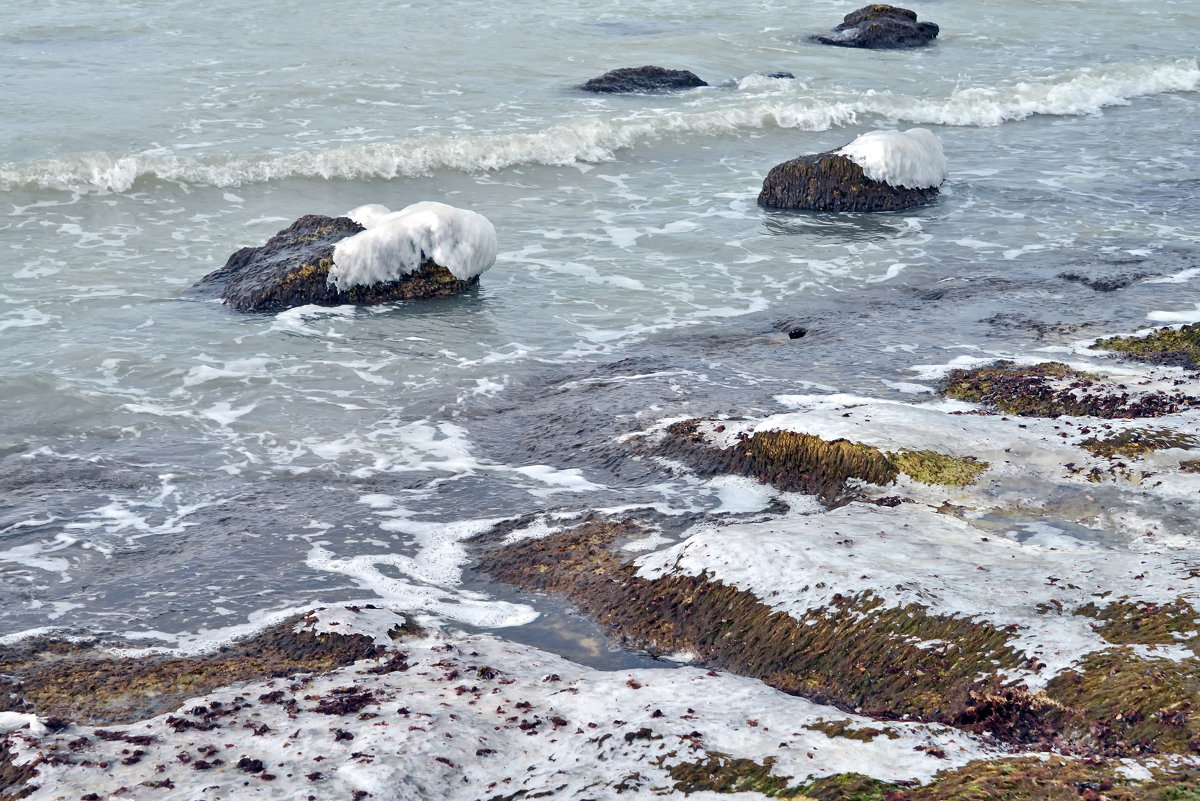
x,y
594,139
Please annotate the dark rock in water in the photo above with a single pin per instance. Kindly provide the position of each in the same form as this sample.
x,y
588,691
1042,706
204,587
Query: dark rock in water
x,y
644,79
292,269
780,75
830,182
880,27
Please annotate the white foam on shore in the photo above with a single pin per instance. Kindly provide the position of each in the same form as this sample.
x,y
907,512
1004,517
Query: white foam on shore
x,y
398,243
440,727
596,139
912,159
1185,316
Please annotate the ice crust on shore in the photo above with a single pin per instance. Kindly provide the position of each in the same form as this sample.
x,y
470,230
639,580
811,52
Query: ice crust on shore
x,y
912,159
396,244
471,716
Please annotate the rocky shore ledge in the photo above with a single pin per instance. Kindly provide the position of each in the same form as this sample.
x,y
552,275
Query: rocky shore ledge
x,y
987,593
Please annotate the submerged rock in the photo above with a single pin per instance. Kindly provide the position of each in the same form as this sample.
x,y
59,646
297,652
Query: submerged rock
x,y
880,27
878,171
643,79
426,250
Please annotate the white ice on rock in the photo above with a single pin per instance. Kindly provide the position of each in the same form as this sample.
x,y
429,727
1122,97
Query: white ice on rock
x,y
468,717
395,244
912,159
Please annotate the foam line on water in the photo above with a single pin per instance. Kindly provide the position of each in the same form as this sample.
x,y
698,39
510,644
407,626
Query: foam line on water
x,y
590,139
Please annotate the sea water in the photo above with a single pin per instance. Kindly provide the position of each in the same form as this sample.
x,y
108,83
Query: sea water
x,y
172,472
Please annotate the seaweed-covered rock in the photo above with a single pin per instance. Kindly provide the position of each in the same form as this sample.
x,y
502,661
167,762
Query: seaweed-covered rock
x,y
1052,389
1179,347
880,27
293,269
648,79
836,181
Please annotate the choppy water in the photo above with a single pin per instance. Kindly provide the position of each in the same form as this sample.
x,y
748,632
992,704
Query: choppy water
x,y
170,468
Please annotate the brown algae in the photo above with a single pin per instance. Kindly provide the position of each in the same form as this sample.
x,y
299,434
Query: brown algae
x,y
82,684
1179,347
797,462
1052,389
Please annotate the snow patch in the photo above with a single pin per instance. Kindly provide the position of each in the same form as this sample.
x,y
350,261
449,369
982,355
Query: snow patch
x,y
396,244
912,159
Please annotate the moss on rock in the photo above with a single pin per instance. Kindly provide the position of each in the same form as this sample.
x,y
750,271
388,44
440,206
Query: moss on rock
x,y
1052,389
1173,346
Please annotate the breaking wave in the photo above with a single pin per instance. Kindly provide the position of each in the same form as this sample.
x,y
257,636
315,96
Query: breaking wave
x,y
595,139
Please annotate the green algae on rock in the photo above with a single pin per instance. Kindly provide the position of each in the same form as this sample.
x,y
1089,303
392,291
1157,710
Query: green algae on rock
x,y
844,728
1122,703
1179,347
1041,778
722,773
80,683
931,467
856,654
787,460
797,462
1052,389
292,269
1144,623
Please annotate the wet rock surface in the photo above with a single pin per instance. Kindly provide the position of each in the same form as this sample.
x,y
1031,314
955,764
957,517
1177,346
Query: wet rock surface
x,y
1052,389
292,269
646,80
831,182
880,27
82,683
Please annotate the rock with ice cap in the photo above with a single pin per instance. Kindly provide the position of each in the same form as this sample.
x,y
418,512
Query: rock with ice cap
x,y
880,27
878,171
371,255
647,79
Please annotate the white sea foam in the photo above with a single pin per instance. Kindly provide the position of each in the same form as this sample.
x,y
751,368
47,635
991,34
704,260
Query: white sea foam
x,y
1184,316
532,721
595,139
912,159
398,243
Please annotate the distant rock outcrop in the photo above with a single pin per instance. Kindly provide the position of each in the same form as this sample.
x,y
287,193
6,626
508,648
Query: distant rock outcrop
x,y
647,79
880,27
879,171
294,267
